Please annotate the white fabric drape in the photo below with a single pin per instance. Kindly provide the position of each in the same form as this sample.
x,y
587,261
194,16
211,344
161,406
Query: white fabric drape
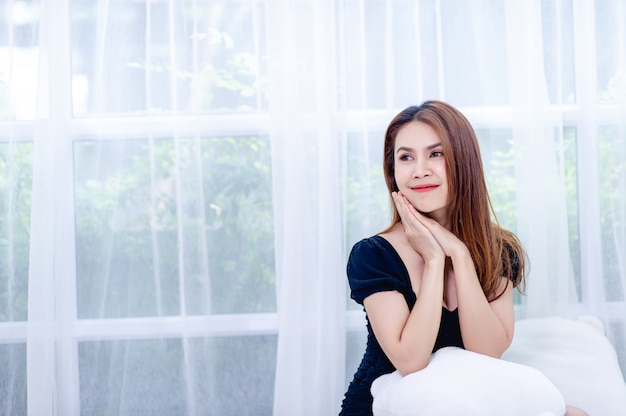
x,y
181,182
541,226
50,298
306,147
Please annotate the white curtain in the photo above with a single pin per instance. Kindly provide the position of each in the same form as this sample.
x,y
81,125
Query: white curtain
x,y
181,182
542,226
306,145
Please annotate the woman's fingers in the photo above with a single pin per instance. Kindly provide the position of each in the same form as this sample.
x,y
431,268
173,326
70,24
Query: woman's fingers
x,y
397,200
420,237
446,239
408,214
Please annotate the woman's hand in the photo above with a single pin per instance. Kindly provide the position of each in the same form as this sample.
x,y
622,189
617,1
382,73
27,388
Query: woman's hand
x,y
417,233
449,242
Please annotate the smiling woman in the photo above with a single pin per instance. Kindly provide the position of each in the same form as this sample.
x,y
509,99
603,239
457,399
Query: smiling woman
x,y
437,284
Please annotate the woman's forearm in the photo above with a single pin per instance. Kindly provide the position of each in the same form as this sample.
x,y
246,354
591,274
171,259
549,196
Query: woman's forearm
x,y
420,332
486,328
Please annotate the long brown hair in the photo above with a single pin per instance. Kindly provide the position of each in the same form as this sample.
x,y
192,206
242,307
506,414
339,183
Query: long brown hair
x,y
496,252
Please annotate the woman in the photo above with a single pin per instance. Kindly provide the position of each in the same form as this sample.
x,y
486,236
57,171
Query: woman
x,y
443,273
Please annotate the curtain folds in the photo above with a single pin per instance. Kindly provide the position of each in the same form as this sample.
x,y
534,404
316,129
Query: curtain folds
x,y
181,183
306,148
50,368
536,134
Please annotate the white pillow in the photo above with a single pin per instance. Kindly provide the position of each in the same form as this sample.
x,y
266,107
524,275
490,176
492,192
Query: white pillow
x,y
577,357
459,382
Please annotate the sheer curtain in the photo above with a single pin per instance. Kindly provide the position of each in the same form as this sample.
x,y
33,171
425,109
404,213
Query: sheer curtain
x,y
181,182
306,146
536,136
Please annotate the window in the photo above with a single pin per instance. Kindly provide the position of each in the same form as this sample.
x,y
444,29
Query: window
x,y
158,157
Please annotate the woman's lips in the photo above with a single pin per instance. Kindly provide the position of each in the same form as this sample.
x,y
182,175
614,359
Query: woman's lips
x,y
424,188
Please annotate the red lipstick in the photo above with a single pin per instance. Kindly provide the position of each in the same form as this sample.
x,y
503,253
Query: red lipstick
x,y
424,188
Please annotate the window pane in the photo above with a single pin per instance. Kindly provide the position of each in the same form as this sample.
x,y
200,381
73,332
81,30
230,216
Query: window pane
x,y
367,201
207,376
160,220
616,331
498,160
123,59
612,142
237,184
408,69
363,29
407,66
430,43
19,57
610,19
496,147
558,50
13,380
16,178
474,38
568,164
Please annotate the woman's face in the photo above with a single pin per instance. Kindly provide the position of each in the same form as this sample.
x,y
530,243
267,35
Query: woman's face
x,y
420,169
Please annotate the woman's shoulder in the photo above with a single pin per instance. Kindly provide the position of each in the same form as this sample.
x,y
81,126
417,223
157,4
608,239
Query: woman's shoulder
x,y
369,246
373,266
385,243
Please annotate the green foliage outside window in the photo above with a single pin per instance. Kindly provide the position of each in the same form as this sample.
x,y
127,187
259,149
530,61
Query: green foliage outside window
x,y
16,175
193,209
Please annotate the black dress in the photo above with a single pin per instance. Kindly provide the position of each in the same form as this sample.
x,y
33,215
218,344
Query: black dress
x,y
375,266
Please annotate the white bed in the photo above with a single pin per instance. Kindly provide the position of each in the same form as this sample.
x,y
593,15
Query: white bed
x,y
574,356
577,357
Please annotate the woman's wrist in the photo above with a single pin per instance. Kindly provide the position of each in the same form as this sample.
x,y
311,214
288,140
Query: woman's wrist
x,y
461,253
435,260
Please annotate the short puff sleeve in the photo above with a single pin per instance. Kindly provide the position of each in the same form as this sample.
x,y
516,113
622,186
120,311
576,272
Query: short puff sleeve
x,y
375,266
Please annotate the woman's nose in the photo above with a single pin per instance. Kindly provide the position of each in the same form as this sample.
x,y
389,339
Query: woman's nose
x,y
420,169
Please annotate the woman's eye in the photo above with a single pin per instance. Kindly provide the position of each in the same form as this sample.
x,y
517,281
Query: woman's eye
x,y
436,153
405,157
